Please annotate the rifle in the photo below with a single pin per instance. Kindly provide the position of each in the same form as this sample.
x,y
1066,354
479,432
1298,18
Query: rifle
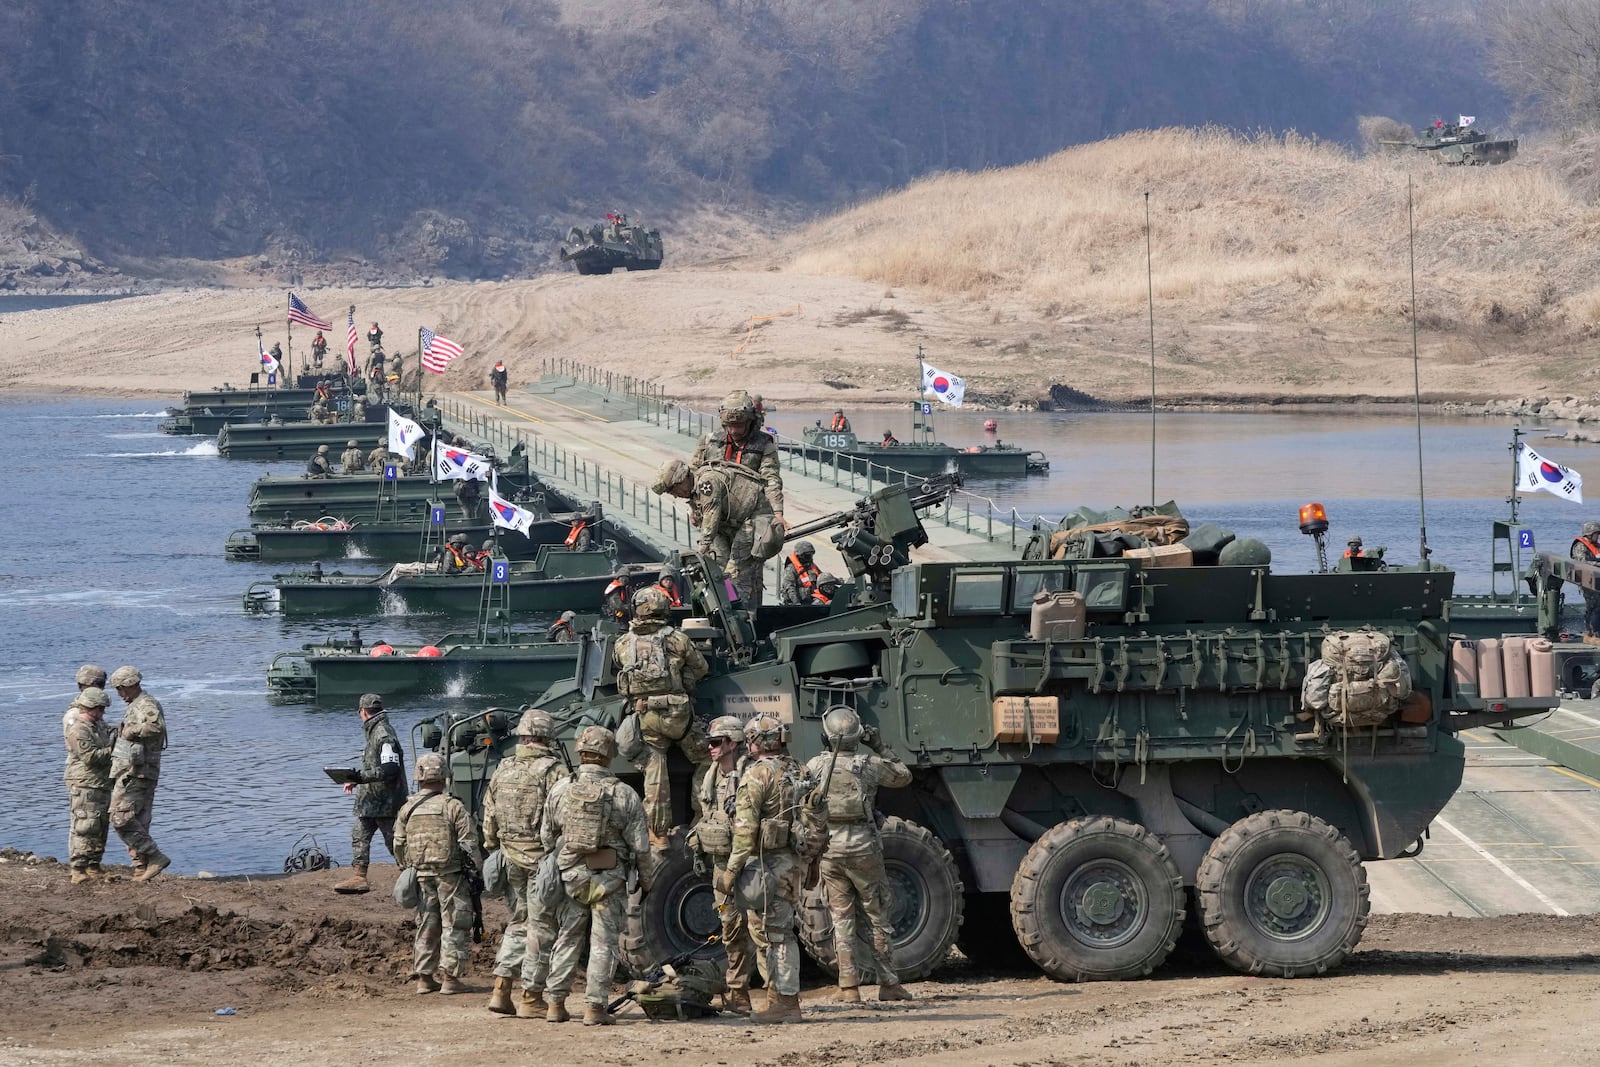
x,y
659,973
474,873
819,795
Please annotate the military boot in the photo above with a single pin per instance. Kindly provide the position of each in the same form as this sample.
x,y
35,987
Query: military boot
x,y
737,1000
356,883
500,999
558,1010
848,994
80,876
426,984
531,1005
152,868
894,992
451,985
596,1015
781,1008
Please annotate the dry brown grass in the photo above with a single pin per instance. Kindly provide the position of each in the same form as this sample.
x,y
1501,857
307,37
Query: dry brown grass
x,y
1280,229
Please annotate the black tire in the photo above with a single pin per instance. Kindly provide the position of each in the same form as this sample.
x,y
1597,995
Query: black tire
x,y
1283,893
1097,900
677,914
987,939
926,891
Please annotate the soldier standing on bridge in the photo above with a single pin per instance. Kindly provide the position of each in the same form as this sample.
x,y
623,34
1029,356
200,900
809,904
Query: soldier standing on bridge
x,y
1586,549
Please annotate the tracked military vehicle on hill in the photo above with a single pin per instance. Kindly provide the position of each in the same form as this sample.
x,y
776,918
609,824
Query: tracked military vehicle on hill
x,y
620,244
1460,144
1100,744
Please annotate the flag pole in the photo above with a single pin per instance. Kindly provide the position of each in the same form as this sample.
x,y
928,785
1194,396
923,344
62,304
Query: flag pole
x,y
419,370
1516,475
288,347
1416,383
1150,286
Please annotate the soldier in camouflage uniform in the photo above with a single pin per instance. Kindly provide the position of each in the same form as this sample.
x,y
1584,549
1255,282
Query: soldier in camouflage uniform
x,y
434,834
513,810
852,868
89,743
378,458
711,841
731,508
800,575
88,675
380,794
657,669
599,825
351,460
318,466
741,442
763,869
135,770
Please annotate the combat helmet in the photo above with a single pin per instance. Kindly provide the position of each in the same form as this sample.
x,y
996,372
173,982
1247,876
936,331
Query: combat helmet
x,y
737,408
536,723
91,674
458,539
124,676
430,768
93,697
650,603
671,473
322,450
597,741
766,733
805,550
727,727
841,726
1590,528
351,443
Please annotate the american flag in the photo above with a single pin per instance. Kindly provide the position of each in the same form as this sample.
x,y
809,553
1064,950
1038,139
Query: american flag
x,y
350,343
298,312
437,352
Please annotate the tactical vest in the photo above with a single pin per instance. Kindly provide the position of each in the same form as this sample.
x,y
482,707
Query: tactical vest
x,y
584,813
520,789
780,807
849,796
715,828
430,837
646,666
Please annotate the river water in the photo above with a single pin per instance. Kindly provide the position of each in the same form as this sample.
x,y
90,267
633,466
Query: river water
x,y
116,558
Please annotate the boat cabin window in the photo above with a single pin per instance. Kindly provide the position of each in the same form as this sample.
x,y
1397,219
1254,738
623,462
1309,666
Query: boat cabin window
x,y
1029,583
1103,589
977,592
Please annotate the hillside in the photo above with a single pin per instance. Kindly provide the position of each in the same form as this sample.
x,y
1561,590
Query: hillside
x,y
346,142
1280,272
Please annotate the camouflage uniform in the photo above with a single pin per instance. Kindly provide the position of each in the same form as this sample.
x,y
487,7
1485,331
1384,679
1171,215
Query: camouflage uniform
x,y
378,458
136,768
712,836
318,466
592,909
433,833
732,507
763,860
657,668
852,868
1586,549
800,575
382,791
513,810
88,776
350,461
757,453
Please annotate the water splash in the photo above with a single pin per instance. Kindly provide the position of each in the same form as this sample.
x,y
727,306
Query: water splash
x,y
201,449
391,603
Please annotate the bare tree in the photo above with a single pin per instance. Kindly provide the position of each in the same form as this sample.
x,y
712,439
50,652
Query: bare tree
x,y
1547,54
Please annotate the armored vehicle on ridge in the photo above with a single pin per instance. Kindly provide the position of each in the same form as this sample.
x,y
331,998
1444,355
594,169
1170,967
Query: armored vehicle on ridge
x,y
1461,144
620,243
1100,744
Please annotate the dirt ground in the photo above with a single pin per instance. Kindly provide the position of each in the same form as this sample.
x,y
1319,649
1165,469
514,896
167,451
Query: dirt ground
x,y
133,974
796,338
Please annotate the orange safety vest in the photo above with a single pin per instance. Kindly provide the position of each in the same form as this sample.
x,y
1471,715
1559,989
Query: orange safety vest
x,y
733,452
840,423
671,593
577,529
461,561
1351,555
820,597
1594,550
890,439
806,572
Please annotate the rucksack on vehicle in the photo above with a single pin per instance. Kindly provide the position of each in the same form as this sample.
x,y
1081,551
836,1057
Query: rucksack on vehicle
x,y
1359,681
585,809
646,668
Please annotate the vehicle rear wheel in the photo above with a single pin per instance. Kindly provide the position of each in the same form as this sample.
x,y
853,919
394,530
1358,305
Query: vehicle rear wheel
x,y
1097,899
677,914
1283,893
926,895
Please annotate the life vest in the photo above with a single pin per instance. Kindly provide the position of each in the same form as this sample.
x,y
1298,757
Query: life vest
x,y
577,531
890,439
458,559
1348,554
1594,550
670,591
615,587
733,451
840,423
819,597
806,572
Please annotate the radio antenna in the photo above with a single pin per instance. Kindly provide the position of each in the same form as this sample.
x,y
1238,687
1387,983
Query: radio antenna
x,y
1416,382
1150,286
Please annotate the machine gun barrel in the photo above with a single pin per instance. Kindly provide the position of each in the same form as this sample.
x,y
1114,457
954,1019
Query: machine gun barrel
x,y
928,492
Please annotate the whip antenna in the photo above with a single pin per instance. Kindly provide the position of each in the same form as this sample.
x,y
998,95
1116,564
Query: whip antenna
x,y
1150,286
1416,382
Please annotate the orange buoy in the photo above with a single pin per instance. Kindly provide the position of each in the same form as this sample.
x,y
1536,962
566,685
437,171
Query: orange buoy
x,y
990,425
381,650
429,650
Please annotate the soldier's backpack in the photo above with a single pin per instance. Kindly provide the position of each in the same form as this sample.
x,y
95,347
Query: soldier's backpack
x,y
809,830
686,993
1360,680
646,669
847,795
585,810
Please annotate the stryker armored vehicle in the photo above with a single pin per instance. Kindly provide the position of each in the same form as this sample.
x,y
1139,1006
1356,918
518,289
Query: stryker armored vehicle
x,y
1459,144
619,244
1100,744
